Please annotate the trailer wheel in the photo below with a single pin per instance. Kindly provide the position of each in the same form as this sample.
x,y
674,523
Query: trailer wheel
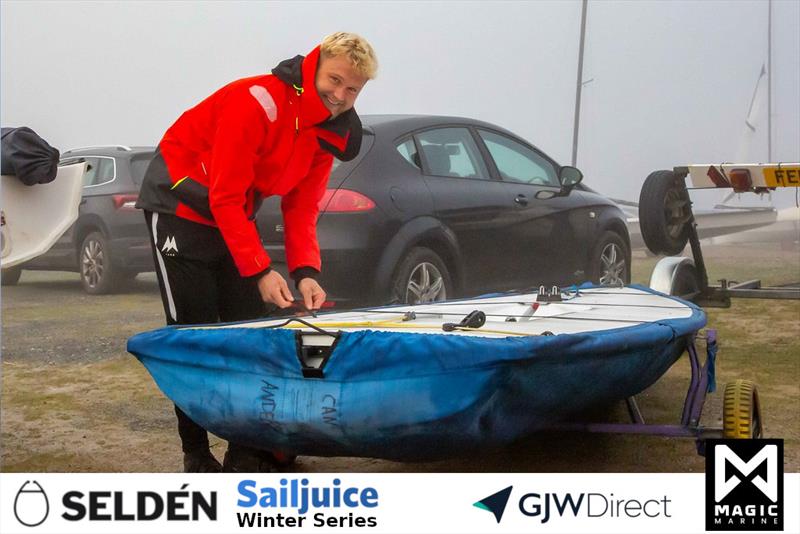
x,y
741,412
664,213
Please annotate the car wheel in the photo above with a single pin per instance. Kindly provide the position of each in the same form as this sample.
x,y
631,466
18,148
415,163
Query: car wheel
x,y
98,274
10,276
610,261
421,277
664,213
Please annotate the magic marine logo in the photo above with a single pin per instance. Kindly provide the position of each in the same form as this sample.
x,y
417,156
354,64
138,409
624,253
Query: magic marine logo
x,y
744,484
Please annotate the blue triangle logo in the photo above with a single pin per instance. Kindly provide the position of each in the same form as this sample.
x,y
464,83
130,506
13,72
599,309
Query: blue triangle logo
x,y
495,503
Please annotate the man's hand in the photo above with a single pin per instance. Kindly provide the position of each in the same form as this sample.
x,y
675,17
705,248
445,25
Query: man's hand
x,y
274,290
313,294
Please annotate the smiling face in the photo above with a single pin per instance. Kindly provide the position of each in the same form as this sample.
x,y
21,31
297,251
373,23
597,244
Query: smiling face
x,y
338,83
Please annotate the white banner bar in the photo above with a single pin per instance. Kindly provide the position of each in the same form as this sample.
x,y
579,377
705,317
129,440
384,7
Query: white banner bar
x,y
379,503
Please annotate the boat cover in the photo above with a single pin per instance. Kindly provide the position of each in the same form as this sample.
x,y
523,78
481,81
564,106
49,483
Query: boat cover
x,y
406,395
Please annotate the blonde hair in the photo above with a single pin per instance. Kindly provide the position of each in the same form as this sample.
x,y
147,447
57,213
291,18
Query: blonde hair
x,y
355,48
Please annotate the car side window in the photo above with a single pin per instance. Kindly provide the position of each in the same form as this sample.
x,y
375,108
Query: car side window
x,y
451,152
90,175
518,163
99,170
408,150
105,171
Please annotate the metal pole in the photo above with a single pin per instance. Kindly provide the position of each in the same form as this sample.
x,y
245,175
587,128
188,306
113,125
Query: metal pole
x,y
580,85
769,81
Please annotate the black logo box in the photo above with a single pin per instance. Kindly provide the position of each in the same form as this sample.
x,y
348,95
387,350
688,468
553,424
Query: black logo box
x,y
745,493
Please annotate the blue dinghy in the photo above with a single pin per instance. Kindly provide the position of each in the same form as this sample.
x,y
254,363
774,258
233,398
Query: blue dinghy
x,y
426,381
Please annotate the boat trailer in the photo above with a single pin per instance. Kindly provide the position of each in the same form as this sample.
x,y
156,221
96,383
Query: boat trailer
x,y
667,225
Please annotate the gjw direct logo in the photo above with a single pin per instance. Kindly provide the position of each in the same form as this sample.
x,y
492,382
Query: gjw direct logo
x,y
549,505
744,484
495,503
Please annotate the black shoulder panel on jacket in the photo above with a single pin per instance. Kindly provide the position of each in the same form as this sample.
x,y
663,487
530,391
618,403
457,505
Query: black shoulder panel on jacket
x,y
346,126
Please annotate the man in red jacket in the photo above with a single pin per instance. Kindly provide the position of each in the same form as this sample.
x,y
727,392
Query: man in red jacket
x,y
273,134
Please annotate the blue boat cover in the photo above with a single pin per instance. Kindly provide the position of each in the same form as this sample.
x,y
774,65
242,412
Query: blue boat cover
x,y
402,395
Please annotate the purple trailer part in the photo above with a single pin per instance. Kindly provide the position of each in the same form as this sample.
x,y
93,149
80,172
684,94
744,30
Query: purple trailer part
x,y
689,426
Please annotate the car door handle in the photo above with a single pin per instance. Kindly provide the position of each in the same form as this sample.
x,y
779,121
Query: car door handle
x,y
522,200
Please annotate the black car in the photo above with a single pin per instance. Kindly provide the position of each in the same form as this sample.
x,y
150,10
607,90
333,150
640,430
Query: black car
x,y
431,208
442,207
108,244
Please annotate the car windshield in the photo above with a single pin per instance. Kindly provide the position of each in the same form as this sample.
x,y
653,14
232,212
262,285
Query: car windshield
x,y
139,166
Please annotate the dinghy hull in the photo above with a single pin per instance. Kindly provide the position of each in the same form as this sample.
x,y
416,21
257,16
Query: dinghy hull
x,y
402,395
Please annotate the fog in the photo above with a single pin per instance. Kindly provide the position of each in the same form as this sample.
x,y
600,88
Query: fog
x,y
667,83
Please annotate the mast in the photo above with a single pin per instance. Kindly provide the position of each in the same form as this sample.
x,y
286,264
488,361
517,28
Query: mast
x,y
580,85
769,81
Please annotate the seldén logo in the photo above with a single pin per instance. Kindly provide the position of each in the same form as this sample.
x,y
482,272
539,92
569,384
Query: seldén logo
x,y
495,503
744,484
31,506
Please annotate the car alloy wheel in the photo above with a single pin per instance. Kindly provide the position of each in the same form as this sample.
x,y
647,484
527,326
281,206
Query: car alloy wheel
x,y
610,263
422,276
99,275
612,268
93,263
425,284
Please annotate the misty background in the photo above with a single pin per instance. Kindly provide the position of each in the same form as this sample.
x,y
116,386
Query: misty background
x,y
667,83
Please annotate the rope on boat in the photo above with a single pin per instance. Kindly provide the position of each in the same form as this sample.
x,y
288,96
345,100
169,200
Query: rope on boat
x,y
389,324
406,325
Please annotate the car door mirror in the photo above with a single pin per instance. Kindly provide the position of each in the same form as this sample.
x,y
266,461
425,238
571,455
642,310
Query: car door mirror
x,y
569,177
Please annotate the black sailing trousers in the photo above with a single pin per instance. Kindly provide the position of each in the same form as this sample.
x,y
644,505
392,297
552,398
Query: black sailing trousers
x,y
199,284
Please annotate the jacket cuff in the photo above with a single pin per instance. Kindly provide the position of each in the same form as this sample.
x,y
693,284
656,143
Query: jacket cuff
x,y
259,274
303,272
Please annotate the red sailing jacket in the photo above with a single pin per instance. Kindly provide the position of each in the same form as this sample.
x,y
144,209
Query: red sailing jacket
x,y
255,137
